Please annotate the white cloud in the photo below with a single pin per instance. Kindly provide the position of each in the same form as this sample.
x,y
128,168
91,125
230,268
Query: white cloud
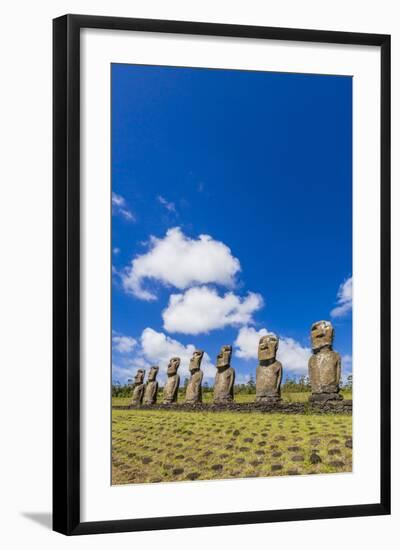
x,y
344,299
122,374
124,368
247,342
176,260
139,362
158,348
116,250
241,378
123,344
120,207
347,364
170,206
347,360
201,309
293,356
117,200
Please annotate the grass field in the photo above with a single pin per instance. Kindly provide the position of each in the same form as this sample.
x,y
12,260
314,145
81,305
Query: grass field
x,y
239,398
156,446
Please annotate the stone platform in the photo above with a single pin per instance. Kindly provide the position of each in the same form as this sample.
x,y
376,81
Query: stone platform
x,y
329,407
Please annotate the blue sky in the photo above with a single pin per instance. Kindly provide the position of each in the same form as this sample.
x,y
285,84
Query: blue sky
x,y
232,215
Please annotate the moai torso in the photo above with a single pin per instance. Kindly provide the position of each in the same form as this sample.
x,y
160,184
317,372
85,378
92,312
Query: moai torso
x,y
269,370
225,377
193,389
170,394
324,366
324,371
138,388
137,396
150,392
268,381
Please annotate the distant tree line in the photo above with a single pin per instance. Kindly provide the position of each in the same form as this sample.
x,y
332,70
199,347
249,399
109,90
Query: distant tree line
x,y
292,384
121,390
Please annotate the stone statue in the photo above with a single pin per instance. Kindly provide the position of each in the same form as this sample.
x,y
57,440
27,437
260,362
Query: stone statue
x,y
138,388
193,390
150,392
170,394
324,366
225,377
269,370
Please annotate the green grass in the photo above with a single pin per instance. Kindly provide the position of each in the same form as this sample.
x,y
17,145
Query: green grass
x,y
158,446
239,398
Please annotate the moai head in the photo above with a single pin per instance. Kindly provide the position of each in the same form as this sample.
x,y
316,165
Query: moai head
x,y
322,333
195,361
267,347
152,374
173,365
224,357
139,377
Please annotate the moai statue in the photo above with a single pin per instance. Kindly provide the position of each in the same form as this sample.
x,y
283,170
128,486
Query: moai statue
x,y
150,392
138,388
324,366
170,394
193,390
269,371
225,377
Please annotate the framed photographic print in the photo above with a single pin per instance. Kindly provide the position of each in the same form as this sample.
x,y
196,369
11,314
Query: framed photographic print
x,y
221,274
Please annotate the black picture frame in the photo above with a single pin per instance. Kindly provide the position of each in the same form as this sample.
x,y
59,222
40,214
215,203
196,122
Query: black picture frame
x,y
66,274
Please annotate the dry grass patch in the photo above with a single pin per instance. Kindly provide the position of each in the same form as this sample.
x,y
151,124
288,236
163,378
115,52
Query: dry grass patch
x,y
156,446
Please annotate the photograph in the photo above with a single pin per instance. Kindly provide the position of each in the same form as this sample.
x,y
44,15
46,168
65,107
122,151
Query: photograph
x,y
232,274
198,222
